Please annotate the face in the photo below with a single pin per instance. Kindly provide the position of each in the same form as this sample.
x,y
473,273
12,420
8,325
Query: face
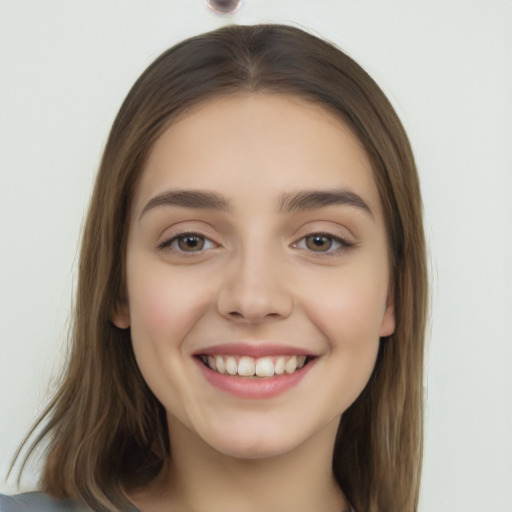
x,y
257,273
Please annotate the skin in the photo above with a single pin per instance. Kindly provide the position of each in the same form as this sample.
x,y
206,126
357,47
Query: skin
x,y
259,279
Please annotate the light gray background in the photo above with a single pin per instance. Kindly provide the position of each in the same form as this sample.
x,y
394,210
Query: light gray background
x,y
65,67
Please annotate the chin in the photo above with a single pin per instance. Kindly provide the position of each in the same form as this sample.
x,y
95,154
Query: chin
x,y
254,449
255,440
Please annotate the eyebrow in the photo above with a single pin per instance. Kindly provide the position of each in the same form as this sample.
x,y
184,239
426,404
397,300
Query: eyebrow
x,y
288,203
311,200
189,199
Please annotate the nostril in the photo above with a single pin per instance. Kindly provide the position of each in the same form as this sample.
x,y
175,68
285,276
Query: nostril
x,y
252,316
223,6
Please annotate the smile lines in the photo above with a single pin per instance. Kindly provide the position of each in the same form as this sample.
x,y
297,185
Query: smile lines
x,y
247,366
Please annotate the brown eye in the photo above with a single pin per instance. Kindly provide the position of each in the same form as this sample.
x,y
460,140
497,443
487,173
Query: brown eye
x,y
323,244
319,243
190,243
187,243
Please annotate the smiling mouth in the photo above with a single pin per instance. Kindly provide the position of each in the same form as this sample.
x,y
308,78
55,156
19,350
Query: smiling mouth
x,y
250,367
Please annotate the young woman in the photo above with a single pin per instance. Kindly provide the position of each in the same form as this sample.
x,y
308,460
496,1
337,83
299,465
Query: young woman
x,y
251,305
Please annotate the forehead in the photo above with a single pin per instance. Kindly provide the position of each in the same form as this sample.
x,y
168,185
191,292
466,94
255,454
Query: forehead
x,y
257,142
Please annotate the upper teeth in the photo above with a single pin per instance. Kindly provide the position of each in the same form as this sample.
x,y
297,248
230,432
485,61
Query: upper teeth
x,y
246,366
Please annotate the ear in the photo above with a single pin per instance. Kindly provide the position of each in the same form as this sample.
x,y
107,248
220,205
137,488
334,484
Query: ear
x,y
121,318
387,327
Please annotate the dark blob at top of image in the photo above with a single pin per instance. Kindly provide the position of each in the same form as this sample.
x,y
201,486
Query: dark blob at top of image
x,y
223,6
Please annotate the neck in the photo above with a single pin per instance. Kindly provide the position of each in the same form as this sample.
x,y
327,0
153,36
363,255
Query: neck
x,y
200,479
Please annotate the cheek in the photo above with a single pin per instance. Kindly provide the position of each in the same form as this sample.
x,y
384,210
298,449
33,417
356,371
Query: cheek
x,y
349,307
164,307
163,304
350,319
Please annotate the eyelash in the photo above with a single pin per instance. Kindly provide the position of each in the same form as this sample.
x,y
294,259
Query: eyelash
x,y
168,244
340,243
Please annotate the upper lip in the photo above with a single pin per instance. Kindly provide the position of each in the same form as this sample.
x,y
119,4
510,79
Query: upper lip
x,y
255,350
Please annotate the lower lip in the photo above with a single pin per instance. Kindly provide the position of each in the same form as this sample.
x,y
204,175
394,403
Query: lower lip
x,y
257,387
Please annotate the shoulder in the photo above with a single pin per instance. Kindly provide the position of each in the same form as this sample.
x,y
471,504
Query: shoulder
x,y
36,502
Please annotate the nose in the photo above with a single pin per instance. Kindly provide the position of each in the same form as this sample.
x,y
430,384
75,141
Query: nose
x,y
255,289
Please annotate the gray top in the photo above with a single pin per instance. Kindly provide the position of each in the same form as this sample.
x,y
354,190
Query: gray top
x,y
36,502
39,502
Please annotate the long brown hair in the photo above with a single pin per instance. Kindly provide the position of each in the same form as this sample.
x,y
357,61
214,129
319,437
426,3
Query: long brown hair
x,y
104,428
